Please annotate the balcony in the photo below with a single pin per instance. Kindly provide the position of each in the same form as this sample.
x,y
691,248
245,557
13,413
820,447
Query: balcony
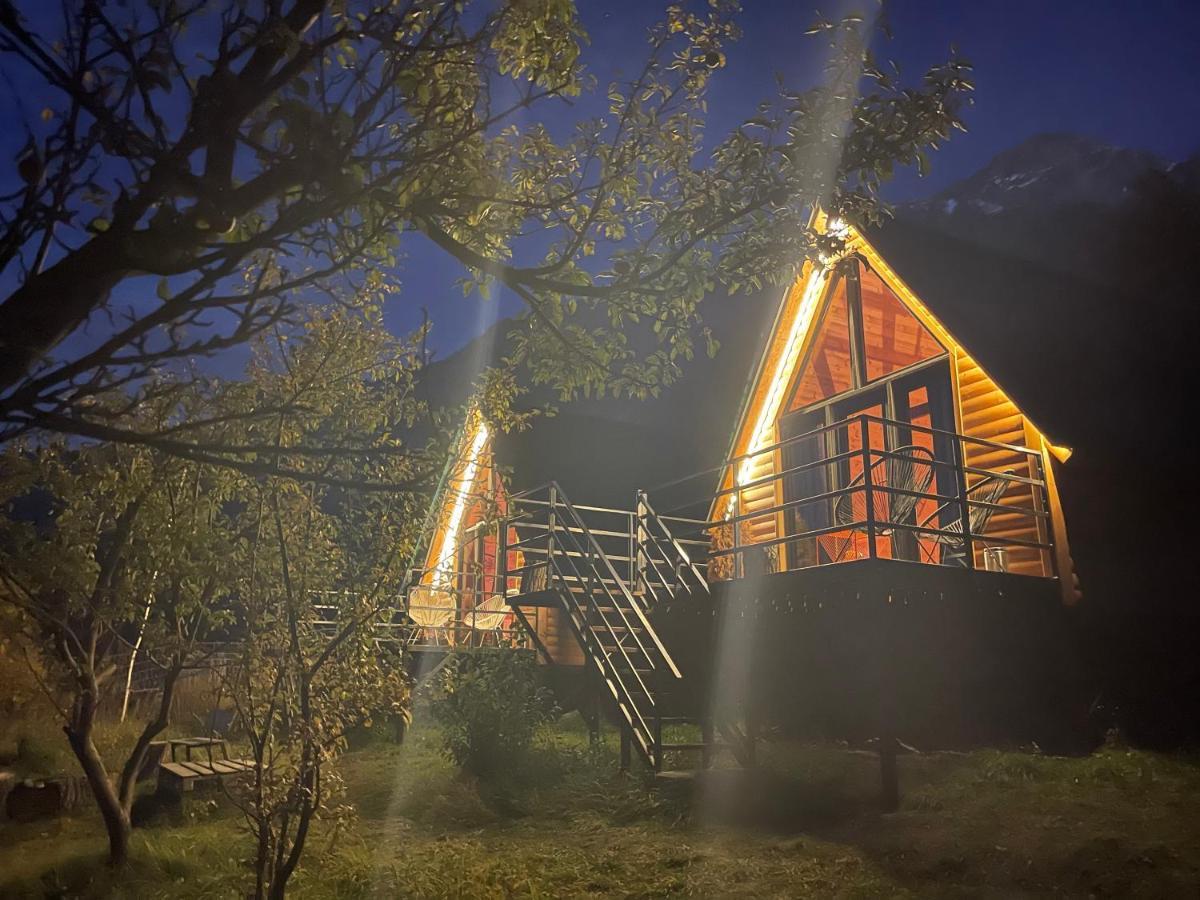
x,y
872,488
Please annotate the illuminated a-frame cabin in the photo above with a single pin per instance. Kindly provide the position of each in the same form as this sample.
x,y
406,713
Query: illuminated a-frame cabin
x,y
882,550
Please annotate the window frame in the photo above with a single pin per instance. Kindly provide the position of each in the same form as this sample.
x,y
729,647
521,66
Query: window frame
x,y
848,269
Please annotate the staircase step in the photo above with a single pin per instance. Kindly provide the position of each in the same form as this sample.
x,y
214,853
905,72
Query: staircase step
x,y
546,598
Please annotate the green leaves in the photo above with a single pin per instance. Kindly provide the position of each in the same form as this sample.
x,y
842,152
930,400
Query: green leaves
x,y
490,707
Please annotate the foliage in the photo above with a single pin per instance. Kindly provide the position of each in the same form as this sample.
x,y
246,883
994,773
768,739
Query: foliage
x,y
150,548
206,170
121,551
317,563
490,706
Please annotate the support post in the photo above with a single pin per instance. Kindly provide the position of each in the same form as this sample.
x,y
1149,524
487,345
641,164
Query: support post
x,y
658,741
592,699
751,736
886,673
889,779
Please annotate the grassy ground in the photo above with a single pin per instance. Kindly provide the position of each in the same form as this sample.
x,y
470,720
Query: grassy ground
x,y
993,824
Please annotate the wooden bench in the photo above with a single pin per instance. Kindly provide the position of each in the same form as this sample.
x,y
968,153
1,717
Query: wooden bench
x,y
180,775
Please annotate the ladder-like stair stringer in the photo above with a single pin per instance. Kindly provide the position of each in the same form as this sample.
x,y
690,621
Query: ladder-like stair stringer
x,y
605,617
568,568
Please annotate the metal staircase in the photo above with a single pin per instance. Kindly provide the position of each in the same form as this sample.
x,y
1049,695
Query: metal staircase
x,y
582,560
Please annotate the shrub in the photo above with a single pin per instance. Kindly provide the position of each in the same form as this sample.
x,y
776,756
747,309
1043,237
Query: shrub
x,y
490,706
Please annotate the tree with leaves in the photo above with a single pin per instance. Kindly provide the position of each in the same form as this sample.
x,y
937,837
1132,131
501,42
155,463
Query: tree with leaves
x,y
131,552
204,170
302,680
145,542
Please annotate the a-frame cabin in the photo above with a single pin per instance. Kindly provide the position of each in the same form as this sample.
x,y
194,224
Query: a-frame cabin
x,y
882,551
860,385
457,598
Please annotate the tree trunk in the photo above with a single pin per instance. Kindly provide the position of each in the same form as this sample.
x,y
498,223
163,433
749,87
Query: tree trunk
x,y
155,727
115,801
115,815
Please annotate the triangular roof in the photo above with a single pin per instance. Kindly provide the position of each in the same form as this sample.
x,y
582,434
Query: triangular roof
x,y
795,327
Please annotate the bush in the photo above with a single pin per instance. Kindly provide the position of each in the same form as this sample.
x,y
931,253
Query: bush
x,y
490,706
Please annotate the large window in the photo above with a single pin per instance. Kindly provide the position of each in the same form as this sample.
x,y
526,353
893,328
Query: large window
x,y
865,334
870,356
893,339
830,367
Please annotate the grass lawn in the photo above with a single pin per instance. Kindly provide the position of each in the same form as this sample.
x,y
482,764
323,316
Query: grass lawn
x,y
982,824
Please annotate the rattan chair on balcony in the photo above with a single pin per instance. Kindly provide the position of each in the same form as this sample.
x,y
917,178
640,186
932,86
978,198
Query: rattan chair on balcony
x,y
488,615
430,609
983,497
908,471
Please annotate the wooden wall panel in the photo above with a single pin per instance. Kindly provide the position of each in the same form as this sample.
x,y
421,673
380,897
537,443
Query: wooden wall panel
x,y
986,412
555,634
764,496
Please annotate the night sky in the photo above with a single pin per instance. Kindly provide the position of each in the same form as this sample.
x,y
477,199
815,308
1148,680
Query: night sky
x,y
1121,71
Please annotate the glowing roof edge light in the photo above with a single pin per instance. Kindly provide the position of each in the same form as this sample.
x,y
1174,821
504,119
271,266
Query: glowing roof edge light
x,y
444,570
780,377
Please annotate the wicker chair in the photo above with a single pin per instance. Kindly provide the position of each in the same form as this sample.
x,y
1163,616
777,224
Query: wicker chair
x,y
907,469
983,496
431,608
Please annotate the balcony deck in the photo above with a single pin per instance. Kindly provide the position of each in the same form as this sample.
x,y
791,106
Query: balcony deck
x,y
871,488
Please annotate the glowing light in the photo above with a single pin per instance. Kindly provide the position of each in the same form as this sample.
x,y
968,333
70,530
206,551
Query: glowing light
x,y
1062,454
444,571
783,370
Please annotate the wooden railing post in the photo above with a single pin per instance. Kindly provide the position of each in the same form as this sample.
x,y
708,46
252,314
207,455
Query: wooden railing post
x,y
1041,504
637,540
864,425
739,570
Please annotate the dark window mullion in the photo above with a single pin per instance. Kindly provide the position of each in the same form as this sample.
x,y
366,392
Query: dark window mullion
x,y
858,343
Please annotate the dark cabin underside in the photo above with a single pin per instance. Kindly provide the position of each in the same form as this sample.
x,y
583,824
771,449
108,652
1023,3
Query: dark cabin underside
x,y
952,656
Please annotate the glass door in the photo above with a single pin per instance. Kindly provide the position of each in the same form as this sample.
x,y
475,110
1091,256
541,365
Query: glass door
x,y
805,477
851,508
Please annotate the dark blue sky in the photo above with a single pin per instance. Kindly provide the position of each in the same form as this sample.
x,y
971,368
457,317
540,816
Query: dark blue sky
x,y
1122,71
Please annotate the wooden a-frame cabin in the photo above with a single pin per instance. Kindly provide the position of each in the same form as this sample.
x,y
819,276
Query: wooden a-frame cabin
x,y
881,552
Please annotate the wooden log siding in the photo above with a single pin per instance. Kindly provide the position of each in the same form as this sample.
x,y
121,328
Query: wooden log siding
x,y
556,636
987,413
762,496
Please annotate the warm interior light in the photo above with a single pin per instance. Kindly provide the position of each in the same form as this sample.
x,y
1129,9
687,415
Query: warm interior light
x,y
781,377
444,570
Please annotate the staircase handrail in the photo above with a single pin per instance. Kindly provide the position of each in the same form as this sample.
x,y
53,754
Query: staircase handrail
x,y
601,652
647,512
597,653
614,577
